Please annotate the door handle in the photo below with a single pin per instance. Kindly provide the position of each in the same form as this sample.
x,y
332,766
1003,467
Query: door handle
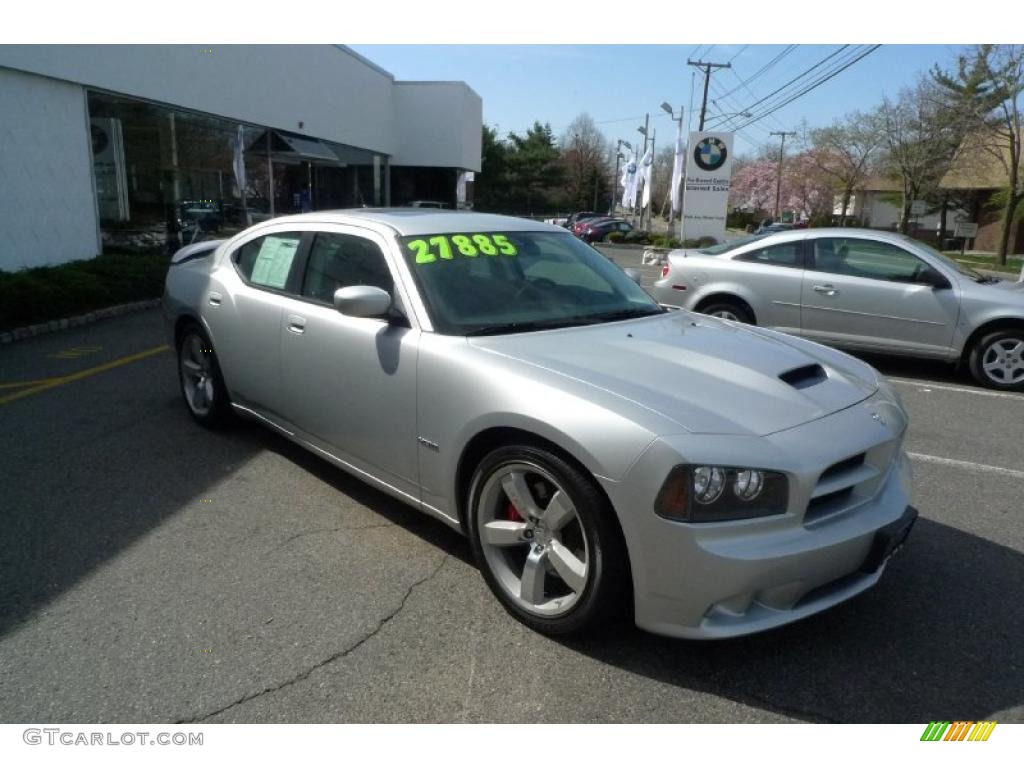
x,y
215,298
296,324
828,290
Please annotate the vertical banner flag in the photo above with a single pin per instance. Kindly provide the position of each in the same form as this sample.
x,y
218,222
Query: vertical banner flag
x,y
646,168
678,162
708,176
238,166
629,184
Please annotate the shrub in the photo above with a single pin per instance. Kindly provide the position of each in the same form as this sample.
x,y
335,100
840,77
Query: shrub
x,y
615,237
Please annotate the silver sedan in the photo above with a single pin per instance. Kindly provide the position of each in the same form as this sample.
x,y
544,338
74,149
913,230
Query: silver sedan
x,y
859,289
604,455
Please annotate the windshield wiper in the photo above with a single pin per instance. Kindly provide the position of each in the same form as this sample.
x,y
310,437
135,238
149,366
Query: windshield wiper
x,y
523,326
624,314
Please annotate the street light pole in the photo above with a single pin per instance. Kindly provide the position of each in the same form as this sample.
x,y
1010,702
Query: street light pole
x,y
778,179
679,127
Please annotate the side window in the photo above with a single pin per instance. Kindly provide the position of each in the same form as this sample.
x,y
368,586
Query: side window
x,y
781,255
337,261
267,261
866,258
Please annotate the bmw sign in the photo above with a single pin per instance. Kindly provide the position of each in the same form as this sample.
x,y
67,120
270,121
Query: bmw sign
x,y
710,153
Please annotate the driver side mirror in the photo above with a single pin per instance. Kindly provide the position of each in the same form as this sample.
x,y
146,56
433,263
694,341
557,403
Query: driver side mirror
x,y
931,276
362,301
634,274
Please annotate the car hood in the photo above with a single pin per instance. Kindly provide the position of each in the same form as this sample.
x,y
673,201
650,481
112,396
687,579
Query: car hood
x,y
699,373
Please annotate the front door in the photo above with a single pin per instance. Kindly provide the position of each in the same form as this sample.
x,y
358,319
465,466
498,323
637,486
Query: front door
x,y
350,382
866,294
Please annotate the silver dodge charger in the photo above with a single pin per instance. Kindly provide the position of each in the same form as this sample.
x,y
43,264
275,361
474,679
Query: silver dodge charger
x,y
602,453
860,289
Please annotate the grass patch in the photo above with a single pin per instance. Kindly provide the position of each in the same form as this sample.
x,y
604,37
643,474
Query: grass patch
x,y
39,294
981,261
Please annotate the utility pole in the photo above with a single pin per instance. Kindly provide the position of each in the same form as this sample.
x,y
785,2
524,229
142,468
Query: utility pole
x,y
707,66
778,179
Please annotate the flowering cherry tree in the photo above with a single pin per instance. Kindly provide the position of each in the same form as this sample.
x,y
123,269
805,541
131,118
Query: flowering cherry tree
x,y
805,191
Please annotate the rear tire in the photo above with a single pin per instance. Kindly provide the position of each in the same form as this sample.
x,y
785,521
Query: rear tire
x,y
546,541
997,360
729,309
200,379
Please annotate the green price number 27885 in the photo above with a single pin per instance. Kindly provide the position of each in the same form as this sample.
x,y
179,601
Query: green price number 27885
x,y
447,247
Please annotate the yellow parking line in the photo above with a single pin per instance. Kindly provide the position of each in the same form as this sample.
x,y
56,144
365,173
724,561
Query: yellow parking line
x,y
18,384
46,384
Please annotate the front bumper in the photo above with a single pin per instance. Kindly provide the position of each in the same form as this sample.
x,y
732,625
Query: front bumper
x,y
717,580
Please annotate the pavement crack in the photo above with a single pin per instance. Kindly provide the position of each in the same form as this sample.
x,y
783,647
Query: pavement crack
x,y
332,658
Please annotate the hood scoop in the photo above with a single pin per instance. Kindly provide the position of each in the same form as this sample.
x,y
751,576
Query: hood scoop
x,y
805,376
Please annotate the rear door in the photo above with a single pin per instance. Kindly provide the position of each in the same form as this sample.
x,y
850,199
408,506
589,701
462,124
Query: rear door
x,y
245,317
866,294
773,275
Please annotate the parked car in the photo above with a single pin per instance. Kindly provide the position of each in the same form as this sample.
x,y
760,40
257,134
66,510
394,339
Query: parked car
x,y
428,204
575,218
598,450
581,224
596,230
768,229
859,289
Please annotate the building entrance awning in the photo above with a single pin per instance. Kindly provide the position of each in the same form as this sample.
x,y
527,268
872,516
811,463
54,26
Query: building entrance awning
x,y
291,148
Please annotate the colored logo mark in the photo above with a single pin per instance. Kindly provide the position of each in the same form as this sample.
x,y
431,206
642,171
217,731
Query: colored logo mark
x,y
710,154
959,730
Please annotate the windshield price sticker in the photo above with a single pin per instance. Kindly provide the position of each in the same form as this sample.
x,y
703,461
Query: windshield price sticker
x,y
447,247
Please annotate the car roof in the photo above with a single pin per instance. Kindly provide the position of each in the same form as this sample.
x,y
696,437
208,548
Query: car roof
x,y
420,221
800,234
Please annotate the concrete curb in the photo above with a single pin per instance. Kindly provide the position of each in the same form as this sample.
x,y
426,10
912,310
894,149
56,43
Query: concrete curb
x,y
39,329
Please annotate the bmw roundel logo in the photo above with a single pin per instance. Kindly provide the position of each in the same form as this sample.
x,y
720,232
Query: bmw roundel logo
x,y
631,167
710,153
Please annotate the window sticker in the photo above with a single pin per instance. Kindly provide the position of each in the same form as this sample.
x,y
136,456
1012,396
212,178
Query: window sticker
x,y
428,250
274,261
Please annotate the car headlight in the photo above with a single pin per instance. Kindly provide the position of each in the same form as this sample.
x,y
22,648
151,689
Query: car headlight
x,y
706,494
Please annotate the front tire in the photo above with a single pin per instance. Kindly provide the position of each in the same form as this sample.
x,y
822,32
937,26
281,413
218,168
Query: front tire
x,y
200,379
997,359
547,541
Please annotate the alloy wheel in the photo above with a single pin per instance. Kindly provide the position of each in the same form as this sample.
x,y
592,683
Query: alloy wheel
x,y
1003,361
197,374
533,539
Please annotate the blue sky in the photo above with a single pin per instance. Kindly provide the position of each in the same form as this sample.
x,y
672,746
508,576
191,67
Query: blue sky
x,y
617,84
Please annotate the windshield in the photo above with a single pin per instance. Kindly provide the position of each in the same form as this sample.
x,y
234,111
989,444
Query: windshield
x,y
961,268
511,282
714,250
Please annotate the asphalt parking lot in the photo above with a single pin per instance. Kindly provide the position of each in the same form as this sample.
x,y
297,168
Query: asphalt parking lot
x,y
151,571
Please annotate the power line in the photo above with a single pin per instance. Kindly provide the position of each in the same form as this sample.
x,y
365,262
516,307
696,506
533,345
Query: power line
x,y
798,77
774,61
741,50
814,85
798,83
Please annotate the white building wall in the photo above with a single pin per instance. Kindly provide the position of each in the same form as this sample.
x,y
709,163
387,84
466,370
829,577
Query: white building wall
x,y
47,203
438,124
333,93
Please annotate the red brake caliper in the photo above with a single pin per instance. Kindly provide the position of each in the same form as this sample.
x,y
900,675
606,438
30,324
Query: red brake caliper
x,y
512,513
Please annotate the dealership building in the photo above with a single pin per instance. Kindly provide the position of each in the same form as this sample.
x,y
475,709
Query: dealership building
x,y
133,147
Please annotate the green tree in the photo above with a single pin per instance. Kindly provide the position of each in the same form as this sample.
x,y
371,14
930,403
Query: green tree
x,y
535,169
986,90
491,188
